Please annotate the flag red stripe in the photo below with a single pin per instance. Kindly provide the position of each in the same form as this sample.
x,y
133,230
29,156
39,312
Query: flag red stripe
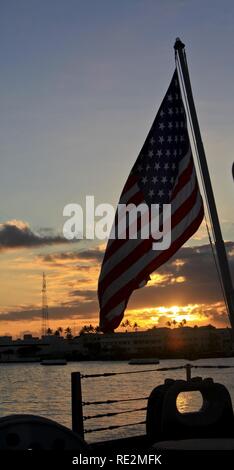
x,y
183,178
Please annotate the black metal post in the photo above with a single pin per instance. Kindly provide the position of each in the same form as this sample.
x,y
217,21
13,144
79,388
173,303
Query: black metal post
x,y
77,408
188,372
219,243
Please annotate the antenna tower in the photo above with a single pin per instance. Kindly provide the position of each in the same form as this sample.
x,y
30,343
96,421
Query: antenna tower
x,y
45,317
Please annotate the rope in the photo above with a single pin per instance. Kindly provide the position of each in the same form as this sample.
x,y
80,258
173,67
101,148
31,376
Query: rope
x,y
213,367
161,369
113,414
171,368
108,402
111,374
216,264
113,427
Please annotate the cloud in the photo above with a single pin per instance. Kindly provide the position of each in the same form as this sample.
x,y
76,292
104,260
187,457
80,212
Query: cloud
x,y
18,234
79,311
94,255
189,278
86,294
195,267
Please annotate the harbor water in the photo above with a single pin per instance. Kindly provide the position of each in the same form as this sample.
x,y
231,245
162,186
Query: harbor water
x,y
46,391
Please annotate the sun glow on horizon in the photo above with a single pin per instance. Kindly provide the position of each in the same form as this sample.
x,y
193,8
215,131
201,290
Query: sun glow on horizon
x,y
178,313
163,315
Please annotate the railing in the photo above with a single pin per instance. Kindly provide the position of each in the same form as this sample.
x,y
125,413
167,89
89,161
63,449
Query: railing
x,y
78,418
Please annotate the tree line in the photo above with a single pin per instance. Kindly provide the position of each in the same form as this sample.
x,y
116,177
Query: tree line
x,y
125,325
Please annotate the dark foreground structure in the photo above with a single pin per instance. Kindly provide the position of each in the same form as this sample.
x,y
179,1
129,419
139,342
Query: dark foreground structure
x,y
210,428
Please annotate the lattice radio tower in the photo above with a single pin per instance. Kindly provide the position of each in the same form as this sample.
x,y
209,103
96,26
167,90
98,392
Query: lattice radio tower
x,y
45,317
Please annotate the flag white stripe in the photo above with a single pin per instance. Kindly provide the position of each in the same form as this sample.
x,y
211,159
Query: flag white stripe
x,y
116,311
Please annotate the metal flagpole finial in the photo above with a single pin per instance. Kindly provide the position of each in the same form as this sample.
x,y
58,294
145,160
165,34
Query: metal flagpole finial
x,y
178,44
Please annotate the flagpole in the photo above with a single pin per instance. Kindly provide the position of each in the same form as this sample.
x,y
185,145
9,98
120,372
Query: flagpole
x,y
219,243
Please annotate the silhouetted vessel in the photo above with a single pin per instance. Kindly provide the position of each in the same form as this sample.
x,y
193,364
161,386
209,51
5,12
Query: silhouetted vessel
x,y
141,362
53,362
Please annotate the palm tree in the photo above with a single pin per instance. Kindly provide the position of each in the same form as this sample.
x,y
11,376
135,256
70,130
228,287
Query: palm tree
x,y
59,331
82,331
174,322
123,324
90,329
97,329
168,324
87,329
135,326
49,331
127,325
68,332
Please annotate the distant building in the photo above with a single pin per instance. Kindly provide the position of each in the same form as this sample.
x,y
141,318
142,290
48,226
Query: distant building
x,y
5,339
159,342
184,342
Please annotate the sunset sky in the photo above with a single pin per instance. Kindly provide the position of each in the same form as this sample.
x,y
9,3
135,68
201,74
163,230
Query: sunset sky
x,y
80,84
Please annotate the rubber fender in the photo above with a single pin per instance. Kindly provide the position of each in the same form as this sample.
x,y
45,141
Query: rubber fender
x,y
214,419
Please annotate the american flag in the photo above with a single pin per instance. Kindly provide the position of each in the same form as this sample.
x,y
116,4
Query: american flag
x,y
164,173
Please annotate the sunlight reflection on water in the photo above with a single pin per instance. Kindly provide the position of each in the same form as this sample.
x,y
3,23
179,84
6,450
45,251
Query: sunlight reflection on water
x,y
189,402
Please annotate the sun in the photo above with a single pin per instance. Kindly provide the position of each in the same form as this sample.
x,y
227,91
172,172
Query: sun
x,y
175,313
174,309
